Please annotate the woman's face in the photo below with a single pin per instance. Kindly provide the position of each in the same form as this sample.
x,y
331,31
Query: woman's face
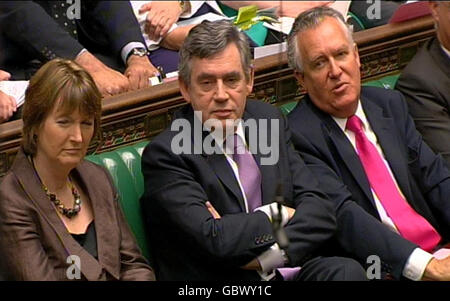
x,y
63,138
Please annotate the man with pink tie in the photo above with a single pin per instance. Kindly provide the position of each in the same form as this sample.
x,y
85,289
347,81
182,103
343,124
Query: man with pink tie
x,y
362,144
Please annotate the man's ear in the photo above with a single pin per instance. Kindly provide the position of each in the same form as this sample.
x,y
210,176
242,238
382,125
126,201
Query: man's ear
x,y
184,89
250,81
300,78
355,48
434,10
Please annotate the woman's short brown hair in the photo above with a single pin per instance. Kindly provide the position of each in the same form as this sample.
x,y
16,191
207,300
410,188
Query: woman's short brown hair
x,y
63,83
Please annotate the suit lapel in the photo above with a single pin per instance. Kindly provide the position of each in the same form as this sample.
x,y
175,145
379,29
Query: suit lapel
x,y
106,230
440,57
344,148
350,157
217,161
384,128
225,174
31,185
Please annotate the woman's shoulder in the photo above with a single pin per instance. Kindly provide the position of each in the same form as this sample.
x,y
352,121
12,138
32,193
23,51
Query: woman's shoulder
x,y
95,175
91,166
8,182
13,192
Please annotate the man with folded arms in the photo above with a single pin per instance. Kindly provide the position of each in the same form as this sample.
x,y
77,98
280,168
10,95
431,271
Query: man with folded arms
x,y
211,186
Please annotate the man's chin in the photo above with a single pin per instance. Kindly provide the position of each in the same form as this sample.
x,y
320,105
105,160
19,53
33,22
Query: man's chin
x,y
223,125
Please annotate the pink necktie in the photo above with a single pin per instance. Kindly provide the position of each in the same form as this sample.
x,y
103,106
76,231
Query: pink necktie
x,y
409,223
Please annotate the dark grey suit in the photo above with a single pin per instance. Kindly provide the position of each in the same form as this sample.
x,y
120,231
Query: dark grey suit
x,y
425,82
29,36
421,174
187,243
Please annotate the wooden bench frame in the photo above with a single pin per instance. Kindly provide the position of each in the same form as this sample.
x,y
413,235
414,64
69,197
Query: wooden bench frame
x,y
142,114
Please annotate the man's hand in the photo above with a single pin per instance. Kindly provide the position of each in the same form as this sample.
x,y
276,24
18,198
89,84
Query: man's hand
x,y
4,75
161,15
7,106
108,81
294,8
253,265
212,210
138,71
175,38
437,270
290,211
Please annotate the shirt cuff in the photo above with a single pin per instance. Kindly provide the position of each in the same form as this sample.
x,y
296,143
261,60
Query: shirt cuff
x,y
272,209
416,264
195,6
127,49
80,53
271,259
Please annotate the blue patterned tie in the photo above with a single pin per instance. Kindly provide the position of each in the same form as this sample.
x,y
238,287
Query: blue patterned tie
x,y
249,173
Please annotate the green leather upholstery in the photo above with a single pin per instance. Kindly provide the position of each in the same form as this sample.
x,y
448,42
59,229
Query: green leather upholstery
x,y
124,165
387,82
288,107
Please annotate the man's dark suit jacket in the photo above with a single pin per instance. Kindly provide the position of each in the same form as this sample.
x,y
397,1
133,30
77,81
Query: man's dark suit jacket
x,y
188,244
425,82
35,244
29,33
421,175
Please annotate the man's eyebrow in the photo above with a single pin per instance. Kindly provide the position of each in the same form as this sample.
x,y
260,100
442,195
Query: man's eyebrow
x,y
337,49
232,74
210,75
343,47
317,57
205,76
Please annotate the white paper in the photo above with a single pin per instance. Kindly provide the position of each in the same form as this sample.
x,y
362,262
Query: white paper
x,y
342,7
284,26
197,20
267,50
15,88
286,23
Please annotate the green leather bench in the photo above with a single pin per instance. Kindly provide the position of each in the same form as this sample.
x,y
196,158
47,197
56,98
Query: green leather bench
x,y
124,165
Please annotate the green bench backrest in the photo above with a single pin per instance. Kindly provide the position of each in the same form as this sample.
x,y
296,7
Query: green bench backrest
x,y
124,165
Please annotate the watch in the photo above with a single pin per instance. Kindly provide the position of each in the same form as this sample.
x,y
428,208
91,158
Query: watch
x,y
183,6
139,51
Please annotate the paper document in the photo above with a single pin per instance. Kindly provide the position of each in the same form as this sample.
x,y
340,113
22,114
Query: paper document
x,y
286,23
15,88
197,20
341,6
267,50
